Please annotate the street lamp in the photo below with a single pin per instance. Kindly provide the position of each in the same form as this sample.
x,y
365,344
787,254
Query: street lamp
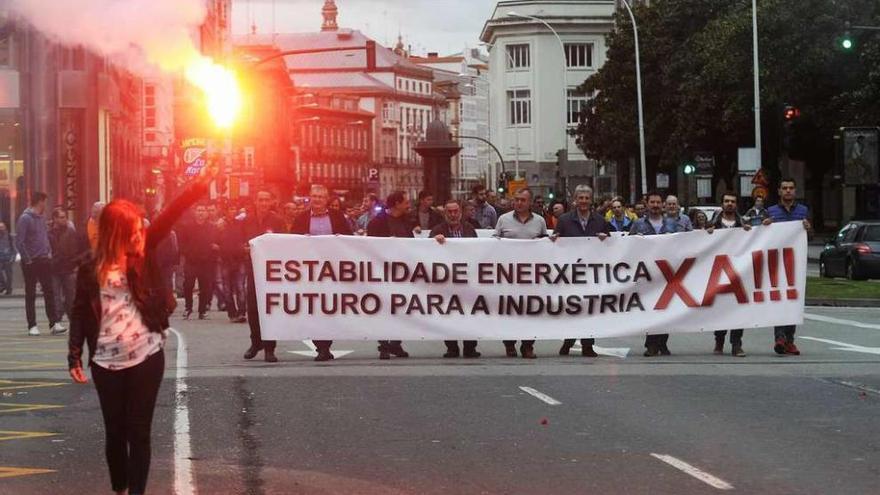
x,y
644,166
756,81
564,75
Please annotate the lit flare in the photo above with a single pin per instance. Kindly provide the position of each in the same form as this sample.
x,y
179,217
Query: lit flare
x,y
220,86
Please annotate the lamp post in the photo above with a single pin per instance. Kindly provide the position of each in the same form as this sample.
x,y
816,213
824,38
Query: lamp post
x,y
564,82
756,82
644,167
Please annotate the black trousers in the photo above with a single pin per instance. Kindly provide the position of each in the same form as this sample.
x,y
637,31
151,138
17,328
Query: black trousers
x,y
205,273
253,313
525,343
39,270
656,340
736,336
584,342
128,398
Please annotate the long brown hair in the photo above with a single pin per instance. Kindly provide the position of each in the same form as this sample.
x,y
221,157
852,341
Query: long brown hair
x,y
120,220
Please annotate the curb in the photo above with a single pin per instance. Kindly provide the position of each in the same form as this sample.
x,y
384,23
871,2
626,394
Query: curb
x,y
844,303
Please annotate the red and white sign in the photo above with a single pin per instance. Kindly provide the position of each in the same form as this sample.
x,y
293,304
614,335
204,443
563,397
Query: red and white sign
x,y
341,287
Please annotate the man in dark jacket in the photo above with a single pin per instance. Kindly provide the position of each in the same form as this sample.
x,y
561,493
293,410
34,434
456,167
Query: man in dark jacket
x,y
425,216
318,220
581,222
33,245
7,259
199,246
232,258
258,222
394,221
68,252
454,227
729,219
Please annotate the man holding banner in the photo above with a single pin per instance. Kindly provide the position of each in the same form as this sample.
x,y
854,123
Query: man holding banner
x,y
729,219
394,221
455,228
521,223
318,220
654,223
581,222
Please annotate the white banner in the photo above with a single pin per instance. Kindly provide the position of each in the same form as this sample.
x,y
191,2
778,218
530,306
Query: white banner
x,y
351,287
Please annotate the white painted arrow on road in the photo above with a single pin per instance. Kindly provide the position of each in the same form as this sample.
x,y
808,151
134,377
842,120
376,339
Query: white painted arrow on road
x,y
843,346
313,351
619,352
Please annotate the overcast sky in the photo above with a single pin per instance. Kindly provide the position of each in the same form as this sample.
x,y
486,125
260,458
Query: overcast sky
x,y
444,26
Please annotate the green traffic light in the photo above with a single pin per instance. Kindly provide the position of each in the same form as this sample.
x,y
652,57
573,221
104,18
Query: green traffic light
x,y
551,195
501,189
689,169
847,44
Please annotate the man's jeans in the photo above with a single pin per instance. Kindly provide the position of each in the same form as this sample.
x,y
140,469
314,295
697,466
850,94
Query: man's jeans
x,y
233,279
38,270
6,276
64,287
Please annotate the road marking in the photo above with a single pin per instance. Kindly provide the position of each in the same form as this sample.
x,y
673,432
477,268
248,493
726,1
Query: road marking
x,y
11,472
28,365
540,396
9,407
16,385
843,346
18,435
620,352
697,473
313,351
857,386
840,321
183,469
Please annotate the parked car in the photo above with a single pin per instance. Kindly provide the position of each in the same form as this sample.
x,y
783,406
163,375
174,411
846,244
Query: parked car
x,y
854,253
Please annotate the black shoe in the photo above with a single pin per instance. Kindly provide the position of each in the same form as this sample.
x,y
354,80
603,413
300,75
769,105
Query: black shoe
x,y
270,357
587,351
203,316
510,350
187,313
527,352
664,351
397,351
383,354
719,348
563,351
651,351
738,351
471,353
452,353
252,351
241,319
324,356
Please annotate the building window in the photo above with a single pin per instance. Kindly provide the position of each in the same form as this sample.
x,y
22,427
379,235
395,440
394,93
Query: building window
x,y
578,54
576,102
150,118
519,107
518,56
150,137
407,85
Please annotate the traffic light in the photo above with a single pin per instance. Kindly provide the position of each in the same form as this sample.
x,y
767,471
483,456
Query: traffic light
x,y
551,195
689,168
791,113
846,42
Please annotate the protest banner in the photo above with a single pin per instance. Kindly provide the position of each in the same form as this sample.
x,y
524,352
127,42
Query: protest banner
x,y
350,287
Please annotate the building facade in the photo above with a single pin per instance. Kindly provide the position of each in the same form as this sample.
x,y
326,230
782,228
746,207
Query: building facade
x,y
533,76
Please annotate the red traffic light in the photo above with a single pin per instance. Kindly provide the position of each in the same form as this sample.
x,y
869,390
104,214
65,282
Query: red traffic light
x,y
791,113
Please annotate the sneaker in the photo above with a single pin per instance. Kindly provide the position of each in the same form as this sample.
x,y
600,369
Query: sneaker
x,y
792,349
252,351
779,347
738,351
324,356
58,329
397,351
34,331
203,316
587,351
187,313
651,351
269,356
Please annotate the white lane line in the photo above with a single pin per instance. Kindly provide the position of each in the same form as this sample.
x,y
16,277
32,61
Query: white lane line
x,y
843,346
697,473
840,321
857,386
540,396
183,469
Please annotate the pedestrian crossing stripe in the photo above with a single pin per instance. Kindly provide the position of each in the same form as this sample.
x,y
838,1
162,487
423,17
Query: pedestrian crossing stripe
x,y
17,385
20,435
11,472
27,365
9,407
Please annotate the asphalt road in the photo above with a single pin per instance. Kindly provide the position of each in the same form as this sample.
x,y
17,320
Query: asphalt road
x,y
685,424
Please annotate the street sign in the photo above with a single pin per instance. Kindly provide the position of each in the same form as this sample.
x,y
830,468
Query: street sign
x,y
704,187
514,186
860,155
662,181
194,153
373,175
705,163
748,160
